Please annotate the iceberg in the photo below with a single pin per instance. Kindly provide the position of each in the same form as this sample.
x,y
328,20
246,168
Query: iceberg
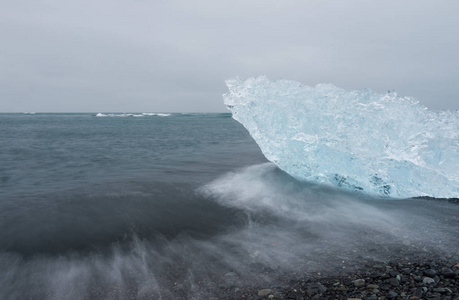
x,y
360,140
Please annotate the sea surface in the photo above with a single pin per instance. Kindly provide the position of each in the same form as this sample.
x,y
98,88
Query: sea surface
x,y
181,206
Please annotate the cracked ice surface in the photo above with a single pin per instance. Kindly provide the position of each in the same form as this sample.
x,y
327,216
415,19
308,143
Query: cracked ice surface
x,y
360,140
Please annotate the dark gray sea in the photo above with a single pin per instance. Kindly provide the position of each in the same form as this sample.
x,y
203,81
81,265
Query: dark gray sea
x,y
181,206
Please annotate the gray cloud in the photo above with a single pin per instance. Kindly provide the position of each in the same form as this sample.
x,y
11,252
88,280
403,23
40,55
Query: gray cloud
x,y
175,55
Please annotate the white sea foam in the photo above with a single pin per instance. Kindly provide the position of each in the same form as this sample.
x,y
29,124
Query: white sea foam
x,y
360,140
260,188
156,114
133,115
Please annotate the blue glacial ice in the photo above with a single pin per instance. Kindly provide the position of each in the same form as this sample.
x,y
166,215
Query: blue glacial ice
x,y
380,144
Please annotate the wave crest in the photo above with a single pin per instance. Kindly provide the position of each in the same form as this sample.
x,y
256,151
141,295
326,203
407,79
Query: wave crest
x,y
133,115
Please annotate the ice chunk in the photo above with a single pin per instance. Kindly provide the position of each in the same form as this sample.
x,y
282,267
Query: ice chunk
x,y
360,140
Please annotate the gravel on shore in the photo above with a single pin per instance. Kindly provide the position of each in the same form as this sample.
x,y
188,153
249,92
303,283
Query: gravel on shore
x,y
417,278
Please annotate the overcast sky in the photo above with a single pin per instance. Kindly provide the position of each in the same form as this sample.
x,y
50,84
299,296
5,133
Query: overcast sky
x,y
174,56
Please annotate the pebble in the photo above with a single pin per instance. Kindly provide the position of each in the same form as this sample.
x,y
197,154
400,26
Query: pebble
x,y
264,292
372,286
436,278
430,273
394,282
448,273
406,271
359,282
316,288
428,280
418,293
440,290
226,285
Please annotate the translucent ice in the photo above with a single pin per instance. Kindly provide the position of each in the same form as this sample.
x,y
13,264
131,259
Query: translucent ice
x,y
360,140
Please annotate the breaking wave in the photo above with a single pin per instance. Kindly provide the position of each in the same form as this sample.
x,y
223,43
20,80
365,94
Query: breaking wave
x,y
381,144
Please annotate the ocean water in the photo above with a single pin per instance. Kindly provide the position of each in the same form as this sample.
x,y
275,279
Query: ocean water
x,y
181,206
